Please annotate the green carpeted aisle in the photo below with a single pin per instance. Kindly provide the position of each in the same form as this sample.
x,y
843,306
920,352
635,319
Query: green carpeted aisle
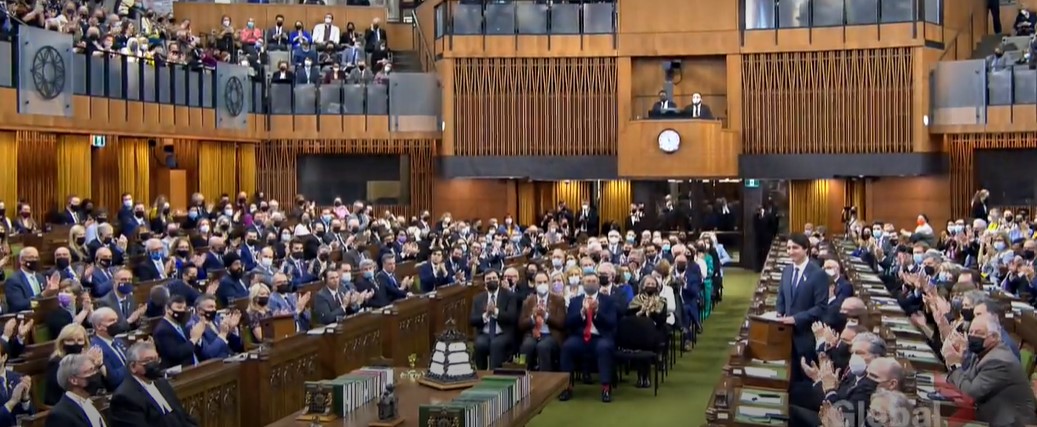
x,y
683,396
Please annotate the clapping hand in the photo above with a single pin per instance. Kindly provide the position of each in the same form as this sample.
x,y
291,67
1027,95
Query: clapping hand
x,y
829,376
818,329
303,300
954,349
810,369
10,327
95,355
831,416
24,328
233,320
53,281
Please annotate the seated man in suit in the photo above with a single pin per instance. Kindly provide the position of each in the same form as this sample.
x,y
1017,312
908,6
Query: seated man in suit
x,y
15,393
146,399
433,273
698,110
155,267
295,265
494,319
264,267
177,345
213,258
128,312
220,339
458,265
591,324
663,105
63,265
81,379
113,351
26,283
232,285
855,387
106,239
997,381
284,299
542,319
98,277
389,288
249,250
332,303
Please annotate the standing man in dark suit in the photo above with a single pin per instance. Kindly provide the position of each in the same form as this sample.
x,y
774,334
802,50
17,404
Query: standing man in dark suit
x,y
15,393
591,325
147,399
587,221
542,319
493,317
374,36
434,273
71,215
802,299
392,287
764,230
994,6
81,380
173,342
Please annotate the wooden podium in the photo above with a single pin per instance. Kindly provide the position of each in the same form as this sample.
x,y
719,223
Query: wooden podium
x,y
173,183
276,328
769,339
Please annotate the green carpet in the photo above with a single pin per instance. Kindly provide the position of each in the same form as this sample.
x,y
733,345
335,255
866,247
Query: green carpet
x,y
683,396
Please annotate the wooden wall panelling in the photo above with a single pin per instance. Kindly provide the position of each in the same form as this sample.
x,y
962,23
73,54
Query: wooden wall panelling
x,y
808,203
134,168
217,169
246,179
9,164
446,68
475,198
107,192
534,106
734,92
706,150
855,101
706,75
37,173
527,204
207,16
73,166
961,150
678,27
855,194
900,200
276,163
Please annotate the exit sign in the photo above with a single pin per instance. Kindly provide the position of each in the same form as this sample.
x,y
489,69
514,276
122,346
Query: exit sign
x,y
752,183
98,141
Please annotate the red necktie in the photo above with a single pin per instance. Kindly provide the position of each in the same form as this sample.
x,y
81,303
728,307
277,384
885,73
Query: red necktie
x,y
539,324
590,324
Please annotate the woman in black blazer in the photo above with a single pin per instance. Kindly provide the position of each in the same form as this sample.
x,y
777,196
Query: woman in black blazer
x,y
979,205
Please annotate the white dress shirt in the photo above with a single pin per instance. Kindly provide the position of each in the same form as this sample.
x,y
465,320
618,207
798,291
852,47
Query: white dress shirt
x,y
594,328
92,414
486,317
156,395
671,304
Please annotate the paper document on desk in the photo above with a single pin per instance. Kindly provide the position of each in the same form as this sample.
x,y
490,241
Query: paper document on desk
x,y
759,372
770,315
760,398
915,354
755,411
897,320
913,345
321,330
768,362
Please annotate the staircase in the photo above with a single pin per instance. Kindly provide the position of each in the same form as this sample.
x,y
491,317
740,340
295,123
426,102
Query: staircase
x,y
406,61
986,46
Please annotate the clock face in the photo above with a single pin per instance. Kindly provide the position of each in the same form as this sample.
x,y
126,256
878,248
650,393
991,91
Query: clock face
x,y
669,141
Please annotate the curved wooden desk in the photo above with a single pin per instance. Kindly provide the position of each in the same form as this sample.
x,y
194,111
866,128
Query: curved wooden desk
x,y
706,150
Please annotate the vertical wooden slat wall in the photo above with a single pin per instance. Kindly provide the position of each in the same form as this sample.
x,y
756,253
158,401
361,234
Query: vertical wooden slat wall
x,y
37,172
850,101
961,149
276,166
535,106
185,151
572,192
9,166
614,201
808,202
247,168
529,209
855,194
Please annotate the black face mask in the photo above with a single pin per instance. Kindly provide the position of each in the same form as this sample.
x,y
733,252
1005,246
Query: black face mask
x,y
284,289
929,270
251,242
106,240
73,348
209,315
297,255
80,241
681,266
604,280
183,253
968,314
31,265
596,258
180,317
1029,255
262,301
236,274
138,214
492,285
153,370
61,263
319,234
336,229
94,384
976,345
104,263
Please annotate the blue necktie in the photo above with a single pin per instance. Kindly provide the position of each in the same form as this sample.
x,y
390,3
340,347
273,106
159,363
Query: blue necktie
x,y
493,320
795,281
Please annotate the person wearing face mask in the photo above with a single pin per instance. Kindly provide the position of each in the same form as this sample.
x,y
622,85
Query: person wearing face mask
x,y
494,317
258,309
591,325
74,307
16,393
434,274
220,336
79,375
542,321
177,345
264,268
850,391
644,327
307,73
71,341
232,285
146,398
285,300
112,350
996,381
295,264
697,109
27,282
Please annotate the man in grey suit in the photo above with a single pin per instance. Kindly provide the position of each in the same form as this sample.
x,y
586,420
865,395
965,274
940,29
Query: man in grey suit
x,y
997,381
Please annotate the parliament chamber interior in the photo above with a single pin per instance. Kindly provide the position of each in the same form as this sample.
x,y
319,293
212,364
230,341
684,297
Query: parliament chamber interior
x,y
476,213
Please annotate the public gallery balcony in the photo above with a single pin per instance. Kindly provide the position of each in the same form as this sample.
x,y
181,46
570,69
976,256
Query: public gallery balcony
x,y
977,96
43,83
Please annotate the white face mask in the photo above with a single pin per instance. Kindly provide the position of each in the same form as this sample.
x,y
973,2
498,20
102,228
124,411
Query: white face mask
x,y
542,289
613,240
204,229
857,365
286,237
327,21
574,280
830,272
266,262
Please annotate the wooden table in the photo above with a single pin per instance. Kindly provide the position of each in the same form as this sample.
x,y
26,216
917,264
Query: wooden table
x,y
545,389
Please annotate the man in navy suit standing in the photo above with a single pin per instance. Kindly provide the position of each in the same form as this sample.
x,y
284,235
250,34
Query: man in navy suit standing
x,y
591,322
802,300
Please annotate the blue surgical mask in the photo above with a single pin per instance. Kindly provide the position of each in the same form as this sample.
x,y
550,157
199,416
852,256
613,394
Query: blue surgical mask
x,y
917,258
192,215
999,246
326,218
155,256
588,270
368,275
125,288
346,279
666,248
626,276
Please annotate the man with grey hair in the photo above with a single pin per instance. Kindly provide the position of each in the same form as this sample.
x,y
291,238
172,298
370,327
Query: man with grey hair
x,y
850,393
996,380
81,379
113,352
27,283
993,308
155,268
887,374
147,399
890,409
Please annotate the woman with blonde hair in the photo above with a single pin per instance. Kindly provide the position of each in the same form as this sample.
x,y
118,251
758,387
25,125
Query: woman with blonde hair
x,y
573,280
258,309
73,339
77,244
159,216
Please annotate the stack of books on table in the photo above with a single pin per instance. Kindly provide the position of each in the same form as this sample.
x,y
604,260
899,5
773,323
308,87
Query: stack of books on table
x,y
354,389
482,405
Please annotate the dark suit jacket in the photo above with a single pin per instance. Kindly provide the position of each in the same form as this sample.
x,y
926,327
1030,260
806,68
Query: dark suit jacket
x,y
314,74
67,413
132,406
112,301
230,289
174,349
807,303
147,270
387,291
67,218
704,112
605,319
114,365
325,309
555,316
507,311
430,279
9,418
855,391
19,291
56,320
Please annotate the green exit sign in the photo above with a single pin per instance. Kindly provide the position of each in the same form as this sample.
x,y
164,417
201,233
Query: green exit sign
x,y
752,183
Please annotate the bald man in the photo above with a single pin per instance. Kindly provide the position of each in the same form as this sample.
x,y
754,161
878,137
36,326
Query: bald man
x,y
153,267
63,264
27,282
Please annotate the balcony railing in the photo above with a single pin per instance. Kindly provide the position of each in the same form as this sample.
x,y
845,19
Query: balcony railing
x,y
962,90
786,14
46,74
467,18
